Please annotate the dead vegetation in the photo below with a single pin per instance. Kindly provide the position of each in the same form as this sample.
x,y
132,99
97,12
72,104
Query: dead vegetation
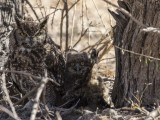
x,y
72,25
79,25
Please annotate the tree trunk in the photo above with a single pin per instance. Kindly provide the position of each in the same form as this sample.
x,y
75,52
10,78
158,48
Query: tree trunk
x,y
137,77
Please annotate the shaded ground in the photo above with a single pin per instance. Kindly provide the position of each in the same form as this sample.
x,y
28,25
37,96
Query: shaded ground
x,y
100,84
103,77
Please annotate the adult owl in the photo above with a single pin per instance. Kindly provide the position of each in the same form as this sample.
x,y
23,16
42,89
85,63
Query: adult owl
x,y
31,50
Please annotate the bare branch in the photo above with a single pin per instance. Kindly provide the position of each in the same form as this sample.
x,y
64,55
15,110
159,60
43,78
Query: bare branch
x,y
132,52
64,110
7,111
73,25
28,74
27,95
99,15
67,22
80,38
58,116
55,12
4,88
106,49
96,44
61,29
71,7
32,10
151,29
38,95
152,115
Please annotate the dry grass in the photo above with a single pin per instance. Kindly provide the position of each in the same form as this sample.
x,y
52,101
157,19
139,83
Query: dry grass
x,y
89,15
89,25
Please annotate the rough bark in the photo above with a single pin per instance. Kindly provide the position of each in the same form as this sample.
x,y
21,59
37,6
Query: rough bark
x,y
137,77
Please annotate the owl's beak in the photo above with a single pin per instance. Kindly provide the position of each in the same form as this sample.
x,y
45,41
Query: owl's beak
x,y
77,67
31,41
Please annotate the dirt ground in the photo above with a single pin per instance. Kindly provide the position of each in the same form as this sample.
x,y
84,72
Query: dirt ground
x,y
91,15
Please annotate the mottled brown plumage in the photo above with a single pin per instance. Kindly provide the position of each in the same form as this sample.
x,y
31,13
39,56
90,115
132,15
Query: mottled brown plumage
x,y
77,75
31,50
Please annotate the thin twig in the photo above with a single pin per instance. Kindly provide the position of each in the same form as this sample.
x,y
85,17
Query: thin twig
x,y
135,53
27,95
151,29
22,6
69,101
47,115
55,12
99,15
96,44
106,59
82,22
105,50
60,9
61,29
40,8
30,5
71,7
80,38
65,110
67,23
28,74
70,109
16,9
4,88
73,24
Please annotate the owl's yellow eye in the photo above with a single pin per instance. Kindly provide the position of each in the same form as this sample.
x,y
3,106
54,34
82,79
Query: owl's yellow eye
x,y
72,64
82,63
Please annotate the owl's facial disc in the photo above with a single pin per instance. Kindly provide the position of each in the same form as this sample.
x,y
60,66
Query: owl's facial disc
x,y
28,40
77,67
31,33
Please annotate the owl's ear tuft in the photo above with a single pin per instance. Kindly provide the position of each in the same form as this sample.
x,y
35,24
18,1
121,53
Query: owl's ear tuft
x,y
43,23
18,21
